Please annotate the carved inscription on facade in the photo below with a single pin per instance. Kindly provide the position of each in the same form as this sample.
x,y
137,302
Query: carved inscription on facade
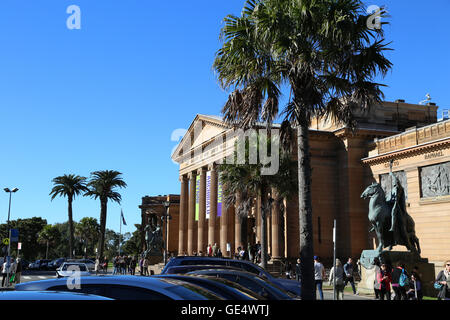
x,y
435,180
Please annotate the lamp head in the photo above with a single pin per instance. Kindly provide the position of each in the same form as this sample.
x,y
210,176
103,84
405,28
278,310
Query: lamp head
x,y
7,190
166,204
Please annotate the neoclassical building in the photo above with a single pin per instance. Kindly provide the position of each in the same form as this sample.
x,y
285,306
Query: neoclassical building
x,y
343,163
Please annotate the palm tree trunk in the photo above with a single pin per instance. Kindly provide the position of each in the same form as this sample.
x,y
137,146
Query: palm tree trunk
x,y
305,212
71,242
264,212
103,211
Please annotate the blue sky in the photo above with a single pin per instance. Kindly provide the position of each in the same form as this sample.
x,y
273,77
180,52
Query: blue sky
x,y
108,96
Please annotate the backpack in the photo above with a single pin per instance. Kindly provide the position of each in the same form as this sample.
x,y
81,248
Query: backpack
x,y
403,280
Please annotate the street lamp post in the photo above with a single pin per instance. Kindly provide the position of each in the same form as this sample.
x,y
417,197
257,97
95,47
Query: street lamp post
x,y
8,263
166,217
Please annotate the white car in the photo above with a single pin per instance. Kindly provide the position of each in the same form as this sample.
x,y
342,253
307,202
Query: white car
x,y
68,269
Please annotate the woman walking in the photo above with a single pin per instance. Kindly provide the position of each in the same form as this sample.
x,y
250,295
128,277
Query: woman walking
x,y
339,276
443,282
384,279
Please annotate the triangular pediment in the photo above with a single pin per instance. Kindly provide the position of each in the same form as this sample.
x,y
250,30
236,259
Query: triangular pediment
x,y
202,130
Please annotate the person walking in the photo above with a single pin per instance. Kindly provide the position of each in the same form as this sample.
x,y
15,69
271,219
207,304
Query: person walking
x,y
141,266
105,265
12,274
97,265
399,281
442,282
209,250
145,266
115,265
415,291
214,248
337,274
384,278
348,269
319,274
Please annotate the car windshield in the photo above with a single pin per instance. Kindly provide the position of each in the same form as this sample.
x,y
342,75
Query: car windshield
x,y
190,291
74,267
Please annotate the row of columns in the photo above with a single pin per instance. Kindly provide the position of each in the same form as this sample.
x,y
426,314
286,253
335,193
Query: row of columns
x,y
191,238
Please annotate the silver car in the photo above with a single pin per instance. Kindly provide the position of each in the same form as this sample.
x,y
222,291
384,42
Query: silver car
x,y
68,269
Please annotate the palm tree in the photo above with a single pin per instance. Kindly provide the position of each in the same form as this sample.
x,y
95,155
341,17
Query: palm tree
x,y
244,182
88,230
70,186
327,56
48,236
102,185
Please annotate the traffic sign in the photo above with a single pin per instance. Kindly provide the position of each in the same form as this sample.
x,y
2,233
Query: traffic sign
x,y
6,241
19,246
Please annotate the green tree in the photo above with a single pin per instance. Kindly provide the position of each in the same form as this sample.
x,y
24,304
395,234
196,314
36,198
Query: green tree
x,y
88,231
49,235
132,246
102,185
327,56
70,186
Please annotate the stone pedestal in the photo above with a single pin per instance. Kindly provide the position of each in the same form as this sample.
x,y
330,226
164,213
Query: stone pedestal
x,y
410,260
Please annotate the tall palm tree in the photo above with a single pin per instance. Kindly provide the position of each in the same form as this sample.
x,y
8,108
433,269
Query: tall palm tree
x,y
102,185
70,186
48,236
327,56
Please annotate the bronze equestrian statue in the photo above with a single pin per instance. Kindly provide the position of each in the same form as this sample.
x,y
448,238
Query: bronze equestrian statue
x,y
389,219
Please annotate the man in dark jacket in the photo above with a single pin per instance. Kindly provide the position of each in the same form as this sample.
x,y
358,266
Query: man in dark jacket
x,y
348,269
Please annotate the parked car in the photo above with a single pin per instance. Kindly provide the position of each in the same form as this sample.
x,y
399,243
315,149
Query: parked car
x,y
39,264
187,269
127,288
55,264
89,263
67,269
25,264
250,281
222,287
289,285
48,295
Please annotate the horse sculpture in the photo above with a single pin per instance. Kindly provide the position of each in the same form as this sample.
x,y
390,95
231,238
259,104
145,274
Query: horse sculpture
x,y
389,219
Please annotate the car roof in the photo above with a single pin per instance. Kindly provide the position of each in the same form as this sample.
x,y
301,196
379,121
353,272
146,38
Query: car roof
x,y
153,283
48,295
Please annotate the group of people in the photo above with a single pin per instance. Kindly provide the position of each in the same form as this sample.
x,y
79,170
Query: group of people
x,y
124,265
395,283
211,251
13,268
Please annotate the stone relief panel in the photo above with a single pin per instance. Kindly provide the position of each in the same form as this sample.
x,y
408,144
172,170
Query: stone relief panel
x,y
386,184
434,180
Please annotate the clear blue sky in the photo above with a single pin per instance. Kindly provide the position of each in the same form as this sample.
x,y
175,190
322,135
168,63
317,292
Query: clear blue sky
x,y
109,96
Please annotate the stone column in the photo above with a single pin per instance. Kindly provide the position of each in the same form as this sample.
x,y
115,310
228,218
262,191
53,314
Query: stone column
x,y
213,205
184,195
275,227
201,236
237,223
191,213
224,229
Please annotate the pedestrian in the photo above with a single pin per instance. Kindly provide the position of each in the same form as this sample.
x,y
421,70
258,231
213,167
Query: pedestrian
x,y
12,273
145,266
141,266
214,248
319,274
123,265
105,265
115,264
219,253
97,265
5,270
298,270
349,269
399,281
133,266
288,270
442,282
337,274
18,270
242,254
194,253
249,252
376,281
384,278
209,250
415,290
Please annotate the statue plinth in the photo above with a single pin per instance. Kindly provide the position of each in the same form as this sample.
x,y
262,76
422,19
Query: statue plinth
x,y
391,258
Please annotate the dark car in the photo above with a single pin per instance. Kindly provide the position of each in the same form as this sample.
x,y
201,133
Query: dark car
x,y
48,295
250,281
126,288
226,289
291,286
55,264
187,269
39,264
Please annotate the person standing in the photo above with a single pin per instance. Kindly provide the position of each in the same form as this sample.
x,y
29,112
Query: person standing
x,y
376,282
145,266
141,266
209,250
297,270
319,274
384,278
214,248
5,270
397,285
97,265
115,263
133,266
339,276
18,270
442,282
348,269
